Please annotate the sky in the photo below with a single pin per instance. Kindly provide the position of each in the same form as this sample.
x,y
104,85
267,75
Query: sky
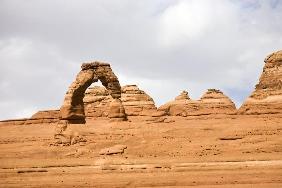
x,y
163,46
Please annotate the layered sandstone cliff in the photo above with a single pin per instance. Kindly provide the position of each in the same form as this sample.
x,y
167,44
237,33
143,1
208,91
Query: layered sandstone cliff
x,y
40,117
135,102
96,102
180,106
46,116
216,102
267,97
212,102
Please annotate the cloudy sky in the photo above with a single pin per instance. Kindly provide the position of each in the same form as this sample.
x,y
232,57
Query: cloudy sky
x,y
163,46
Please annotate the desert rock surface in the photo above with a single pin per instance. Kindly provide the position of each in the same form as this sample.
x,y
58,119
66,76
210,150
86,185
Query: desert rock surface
x,y
235,151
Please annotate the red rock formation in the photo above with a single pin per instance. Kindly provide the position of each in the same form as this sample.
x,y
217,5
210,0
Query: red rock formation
x,y
47,116
215,102
73,106
135,102
212,102
267,97
180,106
115,102
96,102
14,121
183,96
40,117
99,103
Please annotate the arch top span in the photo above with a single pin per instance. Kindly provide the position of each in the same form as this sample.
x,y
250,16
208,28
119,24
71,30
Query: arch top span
x,y
93,65
73,107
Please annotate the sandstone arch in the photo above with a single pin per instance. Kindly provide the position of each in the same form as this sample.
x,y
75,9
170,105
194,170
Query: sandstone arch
x,y
73,107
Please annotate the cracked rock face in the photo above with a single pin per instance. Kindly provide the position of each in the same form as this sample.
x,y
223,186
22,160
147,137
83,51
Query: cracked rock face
x,y
267,97
212,102
73,106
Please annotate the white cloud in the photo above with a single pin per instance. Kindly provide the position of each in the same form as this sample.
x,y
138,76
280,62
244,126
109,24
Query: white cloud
x,y
29,81
189,20
164,46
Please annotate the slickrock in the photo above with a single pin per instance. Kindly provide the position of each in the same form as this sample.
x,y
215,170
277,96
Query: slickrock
x,y
267,97
46,116
14,121
135,102
212,102
73,106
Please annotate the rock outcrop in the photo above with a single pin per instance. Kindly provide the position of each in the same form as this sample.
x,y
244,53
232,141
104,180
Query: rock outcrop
x,y
215,102
73,106
116,102
136,102
180,106
267,97
212,102
183,96
47,116
96,102
99,103
40,117
14,121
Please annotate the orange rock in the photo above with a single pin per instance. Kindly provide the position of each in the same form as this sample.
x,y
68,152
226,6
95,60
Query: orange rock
x,y
46,116
96,102
267,97
73,106
136,102
215,102
212,102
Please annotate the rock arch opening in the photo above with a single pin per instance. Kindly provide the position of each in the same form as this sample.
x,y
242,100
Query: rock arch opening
x,y
73,106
